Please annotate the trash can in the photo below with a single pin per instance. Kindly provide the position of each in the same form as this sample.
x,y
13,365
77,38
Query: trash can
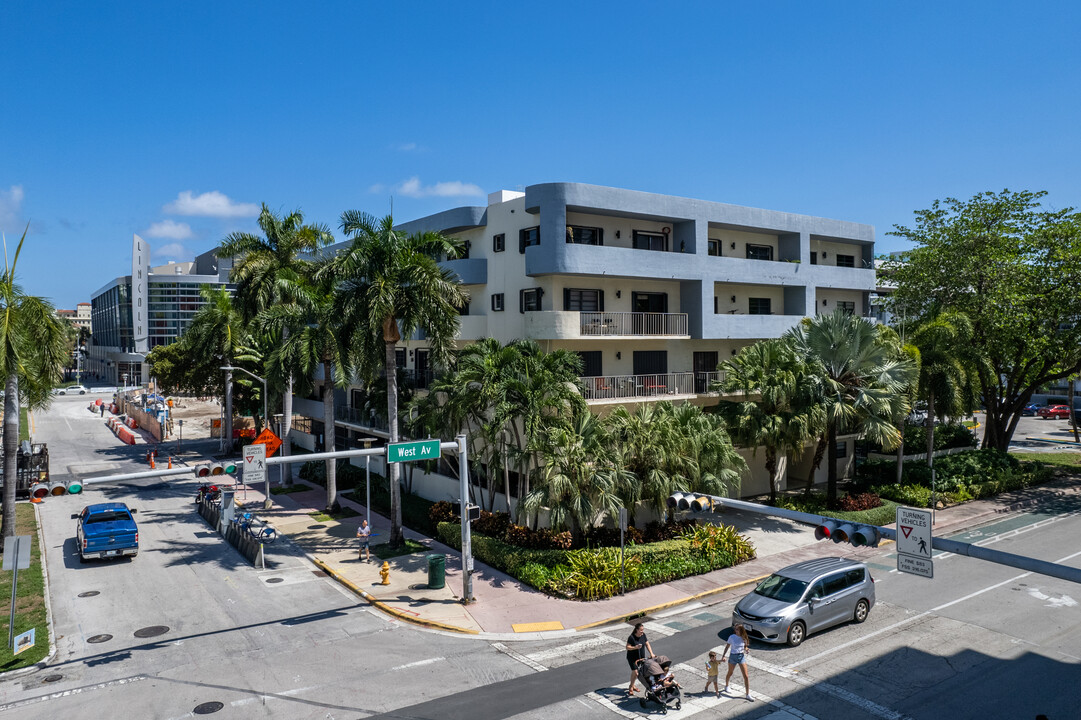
x,y
437,571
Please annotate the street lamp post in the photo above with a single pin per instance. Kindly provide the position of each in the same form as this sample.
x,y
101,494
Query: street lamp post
x,y
368,481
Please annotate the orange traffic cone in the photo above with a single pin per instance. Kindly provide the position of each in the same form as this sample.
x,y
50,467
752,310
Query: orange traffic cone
x,y
170,462
152,461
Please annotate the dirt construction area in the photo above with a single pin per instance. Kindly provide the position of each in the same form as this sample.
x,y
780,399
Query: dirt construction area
x,y
197,416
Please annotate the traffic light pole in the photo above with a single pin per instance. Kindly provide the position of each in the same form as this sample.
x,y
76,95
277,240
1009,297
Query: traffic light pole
x,y
1040,567
467,541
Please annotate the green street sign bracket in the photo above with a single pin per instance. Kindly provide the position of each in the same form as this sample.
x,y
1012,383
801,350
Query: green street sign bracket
x,y
413,451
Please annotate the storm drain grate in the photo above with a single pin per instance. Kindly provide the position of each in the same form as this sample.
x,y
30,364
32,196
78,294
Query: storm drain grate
x,y
208,707
99,638
152,631
275,580
89,593
52,678
319,573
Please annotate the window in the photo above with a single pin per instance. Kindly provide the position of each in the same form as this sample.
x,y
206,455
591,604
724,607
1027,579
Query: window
x,y
583,300
649,241
399,357
463,254
846,261
650,362
854,577
497,302
835,583
463,309
814,258
759,252
499,242
529,300
758,306
849,308
591,363
585,235
527,237
842,449
715,248
302,424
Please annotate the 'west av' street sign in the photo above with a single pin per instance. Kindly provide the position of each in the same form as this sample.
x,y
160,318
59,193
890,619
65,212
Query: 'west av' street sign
x,y
411,451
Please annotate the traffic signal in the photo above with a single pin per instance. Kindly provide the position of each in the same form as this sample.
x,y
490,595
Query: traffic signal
x,y
702,502
845,532
691,501
75,487
215,469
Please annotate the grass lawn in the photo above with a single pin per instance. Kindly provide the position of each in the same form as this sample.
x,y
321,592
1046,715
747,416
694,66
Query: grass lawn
x,y
30,603
286,489
1065,460
385,551
345,512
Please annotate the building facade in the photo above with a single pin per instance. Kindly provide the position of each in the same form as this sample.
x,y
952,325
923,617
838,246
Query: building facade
x,y
652,291
129,319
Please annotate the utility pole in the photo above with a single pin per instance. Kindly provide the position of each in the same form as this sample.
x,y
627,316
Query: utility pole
x,y
227,440
467,545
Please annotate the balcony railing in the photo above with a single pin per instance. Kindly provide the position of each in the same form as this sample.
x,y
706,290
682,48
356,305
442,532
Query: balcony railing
x,y
615,387
356,416
633,323
703,381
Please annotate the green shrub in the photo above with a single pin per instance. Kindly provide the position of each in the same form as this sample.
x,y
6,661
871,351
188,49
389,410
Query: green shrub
x,y
816,505
492,524
609,537
860,501
656,532
542,539
719,543
443,511
911,495
596,574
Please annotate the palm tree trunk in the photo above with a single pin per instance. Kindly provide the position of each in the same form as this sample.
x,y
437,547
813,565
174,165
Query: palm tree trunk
x,y
831,460
816,462
771,468
901,454
287,422
397,539
11,449
330,435
506,475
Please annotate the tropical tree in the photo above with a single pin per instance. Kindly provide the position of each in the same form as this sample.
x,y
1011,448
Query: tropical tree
x,y
314,343
579,482
864,380
946,376
1012,268
266,271
708,462
32,354
778,419
390,284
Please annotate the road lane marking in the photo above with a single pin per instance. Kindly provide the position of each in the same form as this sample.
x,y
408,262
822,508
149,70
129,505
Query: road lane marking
x,y
519,657
419,663
573,648
918,616
263,697
72,691
663,630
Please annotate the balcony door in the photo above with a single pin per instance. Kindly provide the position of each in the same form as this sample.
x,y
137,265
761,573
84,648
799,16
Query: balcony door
x,y
704,362
648,302
422,369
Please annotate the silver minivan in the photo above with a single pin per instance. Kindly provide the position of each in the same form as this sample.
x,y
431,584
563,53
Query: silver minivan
x,y
807,597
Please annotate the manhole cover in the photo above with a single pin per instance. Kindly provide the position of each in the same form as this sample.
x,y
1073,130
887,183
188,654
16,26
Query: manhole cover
x,y
89,593
275,580
99,638
52,678
152,631
208,708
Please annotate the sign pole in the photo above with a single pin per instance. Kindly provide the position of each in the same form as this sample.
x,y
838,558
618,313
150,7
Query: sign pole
x,y
622,564
14,590
368,487
467,549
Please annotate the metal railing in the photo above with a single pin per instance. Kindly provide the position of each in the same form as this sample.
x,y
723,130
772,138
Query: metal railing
x,y
614,387
357,416
633,323
703,381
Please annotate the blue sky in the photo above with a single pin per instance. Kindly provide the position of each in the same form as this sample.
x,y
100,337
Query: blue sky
x,y
175,120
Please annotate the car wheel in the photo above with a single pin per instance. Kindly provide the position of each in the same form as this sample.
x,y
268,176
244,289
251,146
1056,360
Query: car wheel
x,y
862,608
796,633
82,392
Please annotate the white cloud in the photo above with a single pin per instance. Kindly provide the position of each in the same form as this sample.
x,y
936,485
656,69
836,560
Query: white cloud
x,y
11,202
408,147
210,204
169,229
455,188
377,189
172,251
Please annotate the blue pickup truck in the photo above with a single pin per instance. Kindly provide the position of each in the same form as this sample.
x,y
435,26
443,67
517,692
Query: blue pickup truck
x,y
106,530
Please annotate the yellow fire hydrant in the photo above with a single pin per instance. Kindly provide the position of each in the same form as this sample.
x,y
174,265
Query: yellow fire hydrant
x,y
384,572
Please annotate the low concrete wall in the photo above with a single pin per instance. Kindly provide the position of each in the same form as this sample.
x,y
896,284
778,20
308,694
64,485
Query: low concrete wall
x,y
919,456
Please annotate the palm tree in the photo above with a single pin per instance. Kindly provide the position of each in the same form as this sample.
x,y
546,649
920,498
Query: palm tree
x,y
708,462
775,420
945,379
314,342
266,272
32,353
579,482
864,380
390,285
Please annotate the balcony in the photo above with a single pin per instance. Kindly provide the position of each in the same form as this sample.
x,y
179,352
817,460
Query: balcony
x,y
356,416
659,386
633,324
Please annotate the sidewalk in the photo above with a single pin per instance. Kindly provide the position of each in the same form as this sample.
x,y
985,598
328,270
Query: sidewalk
x,y
504,606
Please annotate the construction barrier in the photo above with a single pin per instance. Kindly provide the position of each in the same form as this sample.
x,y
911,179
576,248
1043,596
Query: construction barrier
x,y
131,423
126,435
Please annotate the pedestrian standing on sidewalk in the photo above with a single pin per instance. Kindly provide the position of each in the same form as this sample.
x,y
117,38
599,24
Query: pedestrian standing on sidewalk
x,y
637,647
365,534
739,644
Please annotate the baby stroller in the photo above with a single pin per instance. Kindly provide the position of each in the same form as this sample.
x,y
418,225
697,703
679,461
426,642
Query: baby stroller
x,y
648,670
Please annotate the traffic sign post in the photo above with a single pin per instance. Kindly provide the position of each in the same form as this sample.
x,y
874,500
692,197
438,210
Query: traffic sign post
x,y
255,467
16,558
411,451
914,542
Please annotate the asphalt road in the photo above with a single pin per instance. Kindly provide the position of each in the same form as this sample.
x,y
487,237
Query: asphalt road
x,y
979,640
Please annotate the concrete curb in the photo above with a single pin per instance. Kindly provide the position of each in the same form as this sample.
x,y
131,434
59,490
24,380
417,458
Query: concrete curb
x,y
383,606
44,662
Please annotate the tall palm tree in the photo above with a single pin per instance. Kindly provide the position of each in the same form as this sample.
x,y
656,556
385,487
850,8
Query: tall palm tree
x,y
708,462
32,354
314,342
775,419
864,381
390,284
266,272
946,379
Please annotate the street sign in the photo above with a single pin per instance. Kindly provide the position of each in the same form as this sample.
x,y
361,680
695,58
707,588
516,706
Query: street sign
x,y
915,565
17,553
268,438
914,532
410,451
24,641
254,464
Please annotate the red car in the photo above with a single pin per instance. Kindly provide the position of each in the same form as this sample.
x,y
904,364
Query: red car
x,y
1055,412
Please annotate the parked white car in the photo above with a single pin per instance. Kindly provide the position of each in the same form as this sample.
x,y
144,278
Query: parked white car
x,y
72,390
